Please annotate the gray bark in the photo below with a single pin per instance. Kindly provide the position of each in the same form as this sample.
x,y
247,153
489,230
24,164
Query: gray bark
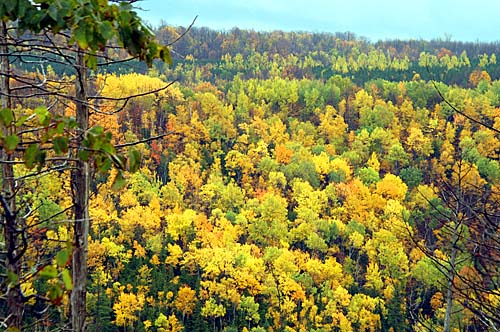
x,y
449,288
451,273
80,179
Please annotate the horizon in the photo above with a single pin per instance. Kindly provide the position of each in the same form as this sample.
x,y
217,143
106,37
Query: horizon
x,y
385,20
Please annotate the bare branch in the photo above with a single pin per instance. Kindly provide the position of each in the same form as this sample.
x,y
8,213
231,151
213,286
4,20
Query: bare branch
x,y
184,33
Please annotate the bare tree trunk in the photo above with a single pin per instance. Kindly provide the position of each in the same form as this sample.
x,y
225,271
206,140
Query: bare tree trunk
x,y
449,288
8,202
450,276
80,179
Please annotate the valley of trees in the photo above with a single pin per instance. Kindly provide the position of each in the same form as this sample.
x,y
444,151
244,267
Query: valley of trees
x,y
261,182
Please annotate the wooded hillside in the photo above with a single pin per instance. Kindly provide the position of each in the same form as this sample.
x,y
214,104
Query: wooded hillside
x,y
299,182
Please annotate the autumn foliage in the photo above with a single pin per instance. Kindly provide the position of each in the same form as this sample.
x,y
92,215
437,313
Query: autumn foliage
x,y
290,197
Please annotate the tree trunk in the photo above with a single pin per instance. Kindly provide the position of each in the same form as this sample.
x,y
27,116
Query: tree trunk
x,y
453,256
449,286
80,179
9,220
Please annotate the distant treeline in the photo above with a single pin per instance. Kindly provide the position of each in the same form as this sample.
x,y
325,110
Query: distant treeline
x,y
208,44
219,55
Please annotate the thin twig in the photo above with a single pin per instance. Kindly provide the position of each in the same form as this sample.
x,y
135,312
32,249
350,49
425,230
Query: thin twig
x,y
184,33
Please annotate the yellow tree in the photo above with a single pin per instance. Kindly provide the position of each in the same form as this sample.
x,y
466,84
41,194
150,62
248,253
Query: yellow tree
x,y
333,128
185,301
126,309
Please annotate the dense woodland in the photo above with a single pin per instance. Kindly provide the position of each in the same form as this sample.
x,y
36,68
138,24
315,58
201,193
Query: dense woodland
x,y
288,181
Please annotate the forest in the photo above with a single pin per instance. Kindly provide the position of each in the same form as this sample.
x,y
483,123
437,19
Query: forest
x,y
241,180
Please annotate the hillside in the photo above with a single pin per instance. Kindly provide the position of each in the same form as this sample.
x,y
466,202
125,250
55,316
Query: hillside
x,y
299,182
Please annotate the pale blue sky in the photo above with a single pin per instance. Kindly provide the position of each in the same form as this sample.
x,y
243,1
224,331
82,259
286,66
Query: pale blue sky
x,y
464,20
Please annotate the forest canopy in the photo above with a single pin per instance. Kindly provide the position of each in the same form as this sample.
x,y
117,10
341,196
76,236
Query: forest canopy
x,y
281,181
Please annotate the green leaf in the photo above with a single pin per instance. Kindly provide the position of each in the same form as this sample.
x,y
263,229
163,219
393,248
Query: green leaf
x,y
40,157
134,160
60,144
96,131
62,257
69,246
53,12
103,164
70,122
68,281
125,17
55,294
165,56
119,182
80,36
12,277
96,143
91,61
21,120
30,155
106,30
43,115
88,141
60,127
11,142
21,8
6,116
84,155
107,147
48,272
10,5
